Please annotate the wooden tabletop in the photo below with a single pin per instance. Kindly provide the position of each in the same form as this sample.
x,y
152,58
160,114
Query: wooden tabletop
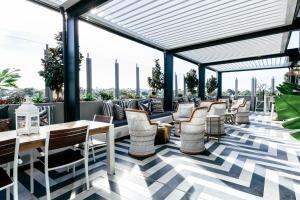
x,y
29,142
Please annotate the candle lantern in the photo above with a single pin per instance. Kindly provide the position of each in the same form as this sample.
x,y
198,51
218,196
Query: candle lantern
x,y
27,118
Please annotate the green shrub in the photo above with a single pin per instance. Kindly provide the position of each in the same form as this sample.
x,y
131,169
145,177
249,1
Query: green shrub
x,y
38,98
88,97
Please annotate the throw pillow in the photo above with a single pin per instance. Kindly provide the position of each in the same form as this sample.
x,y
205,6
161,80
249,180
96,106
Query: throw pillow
x,y
124,104
108,108
4,112
132,104
118,112
145,107
157,106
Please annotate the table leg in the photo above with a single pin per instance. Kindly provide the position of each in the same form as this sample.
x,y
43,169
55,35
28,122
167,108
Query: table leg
x,y
31,172
110,139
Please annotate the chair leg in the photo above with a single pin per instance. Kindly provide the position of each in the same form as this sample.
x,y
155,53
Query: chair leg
x,y
8,189
47,183
86,166
74,170
93,150
31,173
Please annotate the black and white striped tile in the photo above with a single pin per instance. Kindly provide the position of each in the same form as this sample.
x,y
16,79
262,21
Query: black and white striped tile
x,y
255,161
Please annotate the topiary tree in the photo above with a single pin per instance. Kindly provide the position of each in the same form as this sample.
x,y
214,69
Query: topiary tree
x,y
156,82
211,84
191,81
53,71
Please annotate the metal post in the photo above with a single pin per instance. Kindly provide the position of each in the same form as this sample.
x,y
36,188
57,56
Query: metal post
x,y
168,81
117,86
236,91
201,83
176,85
184,86
89,87
252,94
137,74
219,85
272,85
48,92
71,69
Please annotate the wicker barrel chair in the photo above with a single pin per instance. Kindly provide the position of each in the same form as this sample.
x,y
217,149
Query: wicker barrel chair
x,y
142,133
215,125
242,114
193,132
183,113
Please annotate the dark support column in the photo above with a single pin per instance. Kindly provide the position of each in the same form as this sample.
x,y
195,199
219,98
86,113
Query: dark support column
x,y
168,81
219,85
201,83
71,71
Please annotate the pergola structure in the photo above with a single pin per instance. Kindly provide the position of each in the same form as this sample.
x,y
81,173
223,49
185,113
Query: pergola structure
x,y
220,35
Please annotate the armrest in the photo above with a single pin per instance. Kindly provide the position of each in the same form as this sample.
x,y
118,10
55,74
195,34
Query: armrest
x,y
174,115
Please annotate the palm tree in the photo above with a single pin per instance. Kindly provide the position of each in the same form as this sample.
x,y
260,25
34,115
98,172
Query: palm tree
x,y
8,78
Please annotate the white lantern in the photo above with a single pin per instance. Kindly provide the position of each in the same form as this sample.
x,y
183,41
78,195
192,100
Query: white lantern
x,y
27,118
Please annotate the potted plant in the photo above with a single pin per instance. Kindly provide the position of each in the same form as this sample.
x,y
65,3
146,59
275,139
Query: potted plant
x,y
8,78
211,85
191,81
288,105
156,81
53,71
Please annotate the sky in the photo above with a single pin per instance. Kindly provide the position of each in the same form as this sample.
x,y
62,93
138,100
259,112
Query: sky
x,y
25,31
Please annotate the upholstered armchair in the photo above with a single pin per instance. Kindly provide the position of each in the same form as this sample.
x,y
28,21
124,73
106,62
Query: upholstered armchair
x,y
237,103
242,114
193,132
142,133
215,119
183,113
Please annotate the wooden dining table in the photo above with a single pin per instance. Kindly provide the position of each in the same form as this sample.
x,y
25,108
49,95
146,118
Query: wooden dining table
x,y
28,143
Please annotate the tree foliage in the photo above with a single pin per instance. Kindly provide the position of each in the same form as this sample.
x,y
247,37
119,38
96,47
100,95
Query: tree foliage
x,y
156,82
191,81
53,71
211,84
8,78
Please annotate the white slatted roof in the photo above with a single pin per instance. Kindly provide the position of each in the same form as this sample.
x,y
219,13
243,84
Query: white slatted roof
x,y
279,62
171,24
272,44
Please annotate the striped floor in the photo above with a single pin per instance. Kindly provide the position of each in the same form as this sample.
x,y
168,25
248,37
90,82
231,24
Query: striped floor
x,y
256,161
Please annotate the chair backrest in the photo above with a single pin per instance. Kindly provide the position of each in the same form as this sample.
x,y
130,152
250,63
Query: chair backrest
x,y
199,115
217,108
137,119
103,118
9,150
206,103
67,137
245,107
185,110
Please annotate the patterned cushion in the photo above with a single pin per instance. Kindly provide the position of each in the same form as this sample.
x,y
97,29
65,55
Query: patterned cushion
x,y
4,112
119,113
108,108
132,104
156,106
145,107
124,104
